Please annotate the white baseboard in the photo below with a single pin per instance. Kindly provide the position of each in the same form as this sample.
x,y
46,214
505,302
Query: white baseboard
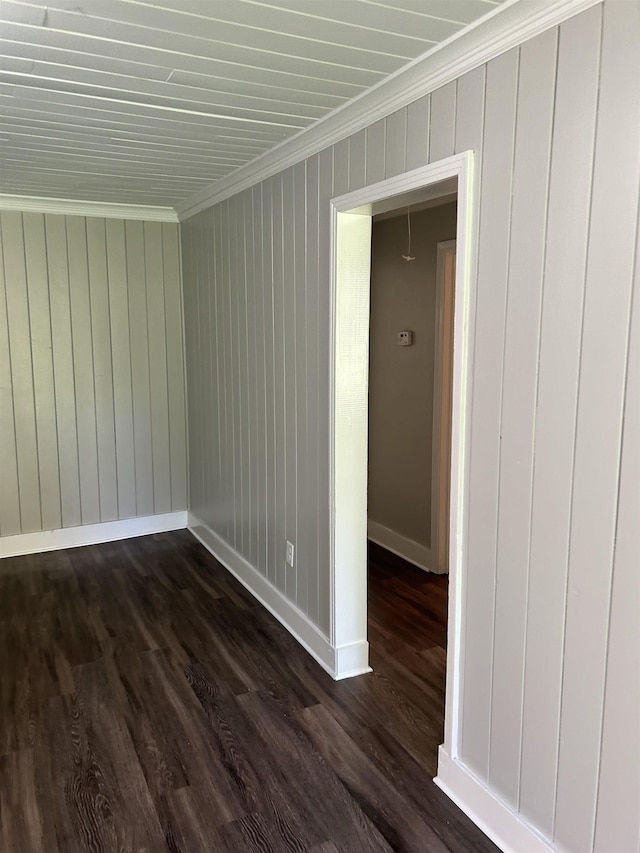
x,y
341,662
90,534
491,814
408,549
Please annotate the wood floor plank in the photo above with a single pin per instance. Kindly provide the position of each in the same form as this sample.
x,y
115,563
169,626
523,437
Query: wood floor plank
x,y
20,820
149,704
387,809
324,805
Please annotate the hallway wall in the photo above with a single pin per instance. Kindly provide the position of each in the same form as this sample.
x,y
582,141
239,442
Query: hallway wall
x,y
401,379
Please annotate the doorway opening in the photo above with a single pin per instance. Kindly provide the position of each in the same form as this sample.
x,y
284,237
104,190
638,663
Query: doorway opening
x,y
410,376
410,356
351,267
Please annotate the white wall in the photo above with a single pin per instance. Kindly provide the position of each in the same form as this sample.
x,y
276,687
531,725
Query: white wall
x,y
551,694
403,296
92,413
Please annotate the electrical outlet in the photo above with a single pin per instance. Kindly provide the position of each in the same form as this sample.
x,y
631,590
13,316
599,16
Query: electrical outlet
x,y
290,553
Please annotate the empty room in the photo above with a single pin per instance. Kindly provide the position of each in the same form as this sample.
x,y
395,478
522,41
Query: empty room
x,y
257,591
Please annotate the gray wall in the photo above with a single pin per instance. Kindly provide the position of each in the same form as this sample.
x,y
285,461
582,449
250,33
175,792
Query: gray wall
x,y
403,296
551,645
92,413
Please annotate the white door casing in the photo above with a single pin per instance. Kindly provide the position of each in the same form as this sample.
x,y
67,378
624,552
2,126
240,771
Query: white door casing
x,y
349,347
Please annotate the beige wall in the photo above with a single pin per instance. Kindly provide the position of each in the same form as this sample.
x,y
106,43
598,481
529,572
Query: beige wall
x,y
551,646
403,296
92,414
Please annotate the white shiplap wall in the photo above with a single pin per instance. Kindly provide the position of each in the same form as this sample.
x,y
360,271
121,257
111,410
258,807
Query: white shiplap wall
x,y
551,693
92,412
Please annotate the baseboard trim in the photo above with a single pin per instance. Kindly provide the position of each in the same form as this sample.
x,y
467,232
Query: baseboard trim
x,y
491,814
90,534
341,662
411,551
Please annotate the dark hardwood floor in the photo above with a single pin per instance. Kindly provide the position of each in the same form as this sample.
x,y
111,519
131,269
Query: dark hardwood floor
x,y
148,704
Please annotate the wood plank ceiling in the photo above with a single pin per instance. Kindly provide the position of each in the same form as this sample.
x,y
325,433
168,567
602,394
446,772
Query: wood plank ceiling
x,y
148,102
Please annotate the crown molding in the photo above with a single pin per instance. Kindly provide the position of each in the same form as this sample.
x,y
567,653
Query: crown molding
x,y
511,24
74,207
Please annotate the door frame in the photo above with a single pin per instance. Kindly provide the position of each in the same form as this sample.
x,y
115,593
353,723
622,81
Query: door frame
x,y
348,417
443,357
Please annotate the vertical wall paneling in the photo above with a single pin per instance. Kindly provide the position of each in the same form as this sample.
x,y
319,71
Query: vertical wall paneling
x,y
374,161
102,367
222,506
9,489
519,380
204,367
597,446
83,369
207,297
235,355
35,254
158,386
193,338
79,392
241,320
175,367
231,368
222,498
341,167
396,143
205,364
191,348
267,260
418,114
495,210
139,344
197,472
208,338
290,368
550,593
313,379
21,371
261,386
618,816
357,160
233,435
279,384
569,189
252,372
469,119
302,558
325,193
216,502
247,433
442,127
121,367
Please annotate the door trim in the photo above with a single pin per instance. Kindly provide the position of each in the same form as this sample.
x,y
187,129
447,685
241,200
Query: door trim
x,y
442,356
349,352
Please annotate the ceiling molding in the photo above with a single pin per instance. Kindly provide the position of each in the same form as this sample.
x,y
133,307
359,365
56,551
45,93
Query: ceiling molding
x,y
508,26
74,207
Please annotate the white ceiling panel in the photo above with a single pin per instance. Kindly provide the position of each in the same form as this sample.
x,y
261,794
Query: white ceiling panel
x,y
149,102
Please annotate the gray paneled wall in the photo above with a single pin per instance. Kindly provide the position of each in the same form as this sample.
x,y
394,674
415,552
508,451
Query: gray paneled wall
x,y
92,411
551,645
